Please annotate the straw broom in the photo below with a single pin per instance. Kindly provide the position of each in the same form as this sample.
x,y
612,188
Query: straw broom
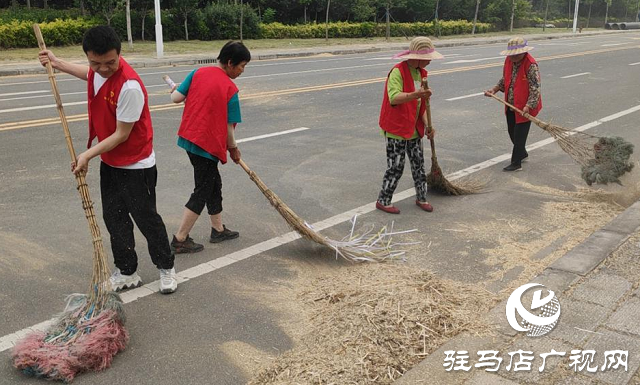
x,y
435,179
602,162
367,246
90,330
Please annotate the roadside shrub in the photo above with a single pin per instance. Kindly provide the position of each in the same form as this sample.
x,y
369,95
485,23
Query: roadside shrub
x,y
19,34
368,29
37,15
222,22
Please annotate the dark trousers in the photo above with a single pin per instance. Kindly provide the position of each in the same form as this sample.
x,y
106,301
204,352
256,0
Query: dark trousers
x,y
518,133
128,194
208,186
396,149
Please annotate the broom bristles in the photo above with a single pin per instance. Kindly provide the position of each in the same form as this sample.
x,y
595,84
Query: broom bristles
x,y
363,247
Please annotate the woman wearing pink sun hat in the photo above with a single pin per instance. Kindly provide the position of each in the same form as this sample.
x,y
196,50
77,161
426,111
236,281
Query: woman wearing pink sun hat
x,y
403,120
521,84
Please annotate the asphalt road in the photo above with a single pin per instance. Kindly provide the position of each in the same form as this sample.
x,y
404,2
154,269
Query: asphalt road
x,y
310,132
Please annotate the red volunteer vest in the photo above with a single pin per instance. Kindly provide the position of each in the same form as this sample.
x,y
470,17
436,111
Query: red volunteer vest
x,y
204,120
521,87
401,119
102,118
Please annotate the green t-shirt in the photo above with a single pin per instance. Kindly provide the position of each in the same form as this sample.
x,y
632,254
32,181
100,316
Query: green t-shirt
x,y
394,87
233,116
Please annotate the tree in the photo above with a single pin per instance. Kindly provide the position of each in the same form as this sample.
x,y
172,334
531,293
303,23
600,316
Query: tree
x,y
326,22
606,13
142,6
128,16
305,4
106,8
475,18
590,2
186,7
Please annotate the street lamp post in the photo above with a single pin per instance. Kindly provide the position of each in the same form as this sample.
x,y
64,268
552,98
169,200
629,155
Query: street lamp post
x,y
575,16
159,43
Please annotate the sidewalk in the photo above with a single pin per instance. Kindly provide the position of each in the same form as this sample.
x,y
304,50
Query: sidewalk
x,y
25,68
596,284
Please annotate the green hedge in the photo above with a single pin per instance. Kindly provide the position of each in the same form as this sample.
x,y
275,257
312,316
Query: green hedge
x,y
368,29
19,34
37,14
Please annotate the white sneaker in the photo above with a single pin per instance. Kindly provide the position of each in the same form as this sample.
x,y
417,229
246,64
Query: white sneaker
x,y
168,281
121,282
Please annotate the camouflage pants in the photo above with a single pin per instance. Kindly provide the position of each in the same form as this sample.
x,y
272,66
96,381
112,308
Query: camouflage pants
x,y
396,149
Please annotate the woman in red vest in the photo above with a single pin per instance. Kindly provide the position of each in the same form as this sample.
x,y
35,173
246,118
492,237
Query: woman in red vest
x,y
206,133
119,118
521,80
403,121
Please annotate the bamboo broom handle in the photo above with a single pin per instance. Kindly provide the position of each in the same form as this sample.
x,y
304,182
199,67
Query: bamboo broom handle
x,y
56,94
425,85
513,107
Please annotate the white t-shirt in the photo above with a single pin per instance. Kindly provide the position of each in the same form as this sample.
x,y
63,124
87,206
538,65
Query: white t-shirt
x,y
128,110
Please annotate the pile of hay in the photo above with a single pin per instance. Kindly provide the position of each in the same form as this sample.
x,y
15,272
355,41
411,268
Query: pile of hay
x,y
370,324
610,161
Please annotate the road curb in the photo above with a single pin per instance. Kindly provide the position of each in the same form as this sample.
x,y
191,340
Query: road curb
x,y
168,62
560,275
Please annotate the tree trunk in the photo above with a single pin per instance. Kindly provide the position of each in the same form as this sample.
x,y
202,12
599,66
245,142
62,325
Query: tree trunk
x,y
387,35
45,4
475,18
305,14
83,11
14,3
128,13
606,12
186,29
326,22
513,13
546,12
144,16
28,4
589,16
436,18
241,19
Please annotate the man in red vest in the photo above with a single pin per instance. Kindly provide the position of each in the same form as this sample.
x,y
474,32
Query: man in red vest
x,y
521,84
403,120
119,117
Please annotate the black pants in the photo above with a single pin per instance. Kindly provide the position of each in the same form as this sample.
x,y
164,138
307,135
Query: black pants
x,y
130,194
396,149
518,133
208,186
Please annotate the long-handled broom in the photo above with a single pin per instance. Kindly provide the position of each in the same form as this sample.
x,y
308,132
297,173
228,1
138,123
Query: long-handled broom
x,y
436,179
366,246
90,330
604,161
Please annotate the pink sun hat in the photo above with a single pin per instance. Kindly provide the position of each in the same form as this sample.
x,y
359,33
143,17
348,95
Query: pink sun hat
x,y
421,48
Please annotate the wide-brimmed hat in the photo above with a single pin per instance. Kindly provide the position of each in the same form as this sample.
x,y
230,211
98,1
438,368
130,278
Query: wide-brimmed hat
x,y
516,46
421,48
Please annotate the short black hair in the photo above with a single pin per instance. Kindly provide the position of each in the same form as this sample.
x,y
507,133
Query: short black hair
x,y
100,40
234,51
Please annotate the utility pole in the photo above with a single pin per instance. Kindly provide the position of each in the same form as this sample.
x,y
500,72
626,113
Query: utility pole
x,y
159,42
575,16
475,18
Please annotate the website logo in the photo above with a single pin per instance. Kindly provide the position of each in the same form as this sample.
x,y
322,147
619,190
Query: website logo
x,y
547,311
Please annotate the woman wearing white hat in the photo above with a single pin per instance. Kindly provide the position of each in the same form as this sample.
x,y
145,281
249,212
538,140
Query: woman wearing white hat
x,y
403,120
521,84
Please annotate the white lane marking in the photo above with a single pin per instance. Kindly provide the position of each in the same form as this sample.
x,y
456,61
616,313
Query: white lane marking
x,y
42,96
474,60
9,340
574,75
310,71
36,82
39,107
634,64
24,93
272,134
614,44
465,96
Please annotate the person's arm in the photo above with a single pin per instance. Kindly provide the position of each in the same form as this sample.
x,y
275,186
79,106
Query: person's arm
x,y
496,88
533,76
120,135
78,70
395,86
180,94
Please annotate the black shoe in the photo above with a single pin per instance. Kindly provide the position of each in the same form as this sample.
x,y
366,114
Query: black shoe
x,y
219,236
513,167
186,246
526,155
